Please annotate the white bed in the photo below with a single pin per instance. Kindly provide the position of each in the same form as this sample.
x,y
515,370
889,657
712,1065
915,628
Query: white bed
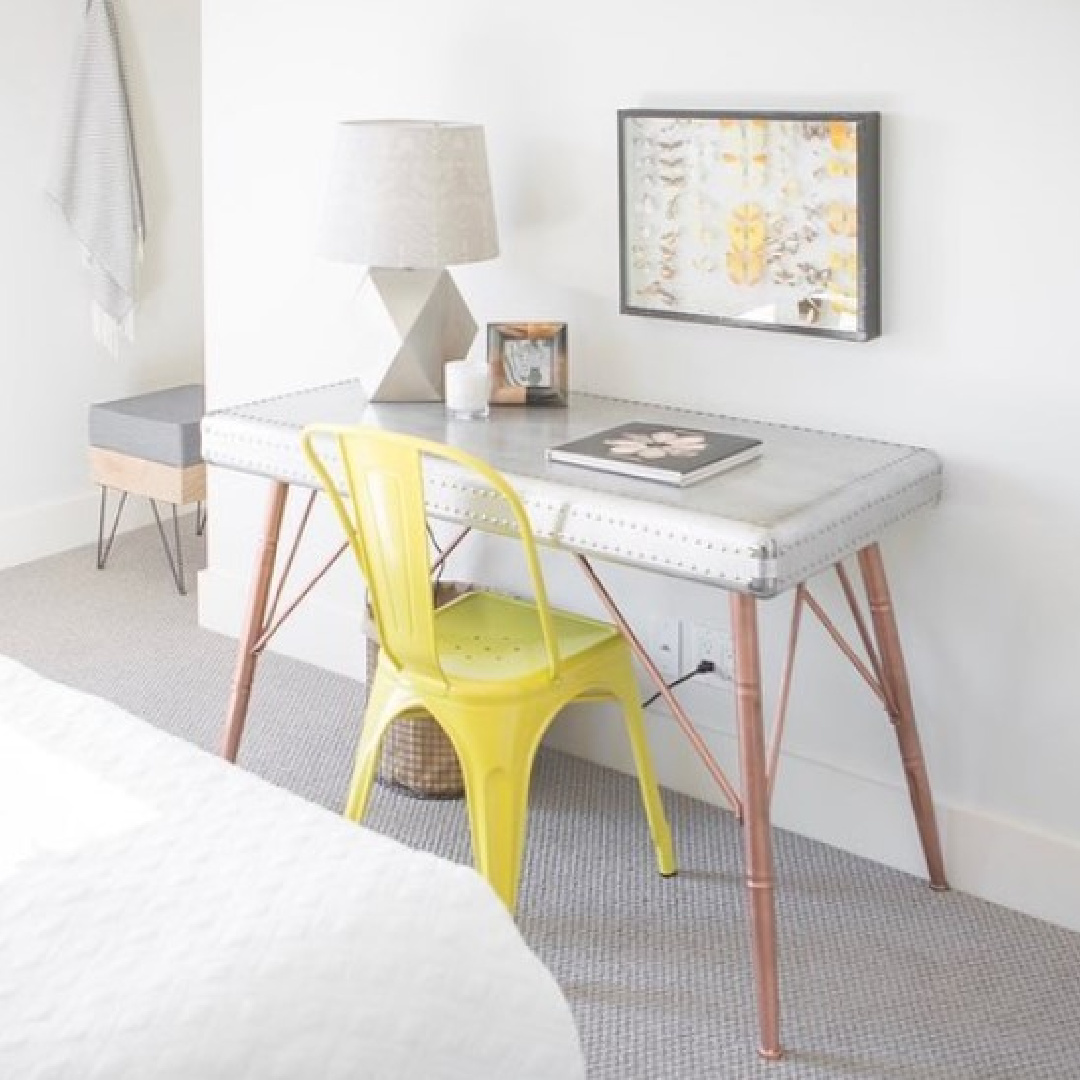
x,y
165,916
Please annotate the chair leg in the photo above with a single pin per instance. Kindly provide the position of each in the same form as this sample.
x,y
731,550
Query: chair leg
x,y
497,775
377,718
650,790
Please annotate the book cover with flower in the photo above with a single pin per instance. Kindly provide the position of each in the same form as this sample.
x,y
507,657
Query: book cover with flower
x,y
676,455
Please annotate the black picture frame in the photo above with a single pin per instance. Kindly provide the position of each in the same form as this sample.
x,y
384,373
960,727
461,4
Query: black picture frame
x,y
761,219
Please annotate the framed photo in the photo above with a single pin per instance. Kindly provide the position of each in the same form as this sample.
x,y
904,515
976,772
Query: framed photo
x,y
759,219
528,363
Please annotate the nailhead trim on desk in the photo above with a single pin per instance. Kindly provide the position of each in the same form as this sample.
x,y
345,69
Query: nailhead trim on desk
x,y
762,569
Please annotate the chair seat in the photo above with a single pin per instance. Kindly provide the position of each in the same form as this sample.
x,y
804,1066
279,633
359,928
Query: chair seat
x,y
490,637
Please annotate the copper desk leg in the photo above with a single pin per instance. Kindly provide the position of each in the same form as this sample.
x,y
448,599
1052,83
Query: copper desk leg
x,y
247,654
872,568
757,837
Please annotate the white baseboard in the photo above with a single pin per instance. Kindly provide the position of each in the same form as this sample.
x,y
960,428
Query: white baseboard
x,y
1003,861
60,525
997,859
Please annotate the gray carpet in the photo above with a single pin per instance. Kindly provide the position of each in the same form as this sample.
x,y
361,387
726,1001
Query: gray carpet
x,y
881,977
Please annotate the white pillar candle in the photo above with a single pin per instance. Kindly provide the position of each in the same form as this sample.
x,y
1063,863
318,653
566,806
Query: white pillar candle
x,y
467,383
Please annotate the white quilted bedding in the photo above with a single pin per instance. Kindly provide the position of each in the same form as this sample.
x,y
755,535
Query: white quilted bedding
x,y
164,916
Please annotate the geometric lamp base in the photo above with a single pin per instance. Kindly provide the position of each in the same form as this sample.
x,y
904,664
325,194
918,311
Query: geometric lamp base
x,y
409,323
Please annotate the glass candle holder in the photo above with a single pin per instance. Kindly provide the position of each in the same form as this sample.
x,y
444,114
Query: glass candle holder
x,y
467,385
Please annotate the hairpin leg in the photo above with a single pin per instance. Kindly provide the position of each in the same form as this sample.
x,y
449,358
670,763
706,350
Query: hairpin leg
x,y
757,836
179,551
176,565
200,518
103,547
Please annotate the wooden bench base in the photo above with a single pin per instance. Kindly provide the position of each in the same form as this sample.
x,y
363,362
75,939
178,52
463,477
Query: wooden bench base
x,y
137,476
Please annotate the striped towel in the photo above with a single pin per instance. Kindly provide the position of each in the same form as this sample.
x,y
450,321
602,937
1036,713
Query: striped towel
x,y
96,177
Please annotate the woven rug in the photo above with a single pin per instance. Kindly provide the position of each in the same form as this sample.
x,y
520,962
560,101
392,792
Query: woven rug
x,y
881,977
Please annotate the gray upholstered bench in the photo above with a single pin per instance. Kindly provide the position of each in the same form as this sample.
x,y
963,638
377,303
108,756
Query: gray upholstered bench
x,y
150,445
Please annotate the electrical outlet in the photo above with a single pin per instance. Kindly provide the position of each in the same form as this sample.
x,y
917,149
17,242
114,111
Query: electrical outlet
x,y
707,641
664,646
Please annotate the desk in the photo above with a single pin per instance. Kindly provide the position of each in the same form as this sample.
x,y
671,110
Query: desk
x,y
811,501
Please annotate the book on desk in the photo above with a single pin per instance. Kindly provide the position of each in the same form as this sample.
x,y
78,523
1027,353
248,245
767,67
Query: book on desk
x,y
668,453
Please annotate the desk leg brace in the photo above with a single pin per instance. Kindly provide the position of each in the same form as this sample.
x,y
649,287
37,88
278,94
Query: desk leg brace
x,y
887,676
681,718
263,621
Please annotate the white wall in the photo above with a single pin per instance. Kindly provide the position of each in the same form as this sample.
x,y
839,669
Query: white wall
x,y
51,368
981,155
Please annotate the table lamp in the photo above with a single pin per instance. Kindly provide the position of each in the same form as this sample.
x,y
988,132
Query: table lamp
x,y
406,199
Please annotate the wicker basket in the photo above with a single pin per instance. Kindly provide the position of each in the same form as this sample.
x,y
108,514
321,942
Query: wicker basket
x,y
417,756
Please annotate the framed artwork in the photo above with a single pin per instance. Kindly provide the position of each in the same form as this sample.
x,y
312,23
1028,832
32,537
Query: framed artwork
x,y
759,219
528,363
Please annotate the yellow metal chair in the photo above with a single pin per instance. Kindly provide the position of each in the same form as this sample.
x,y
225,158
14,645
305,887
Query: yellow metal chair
x,y
493,670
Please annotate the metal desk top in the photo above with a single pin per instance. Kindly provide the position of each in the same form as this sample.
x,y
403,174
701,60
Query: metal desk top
x,y
811,499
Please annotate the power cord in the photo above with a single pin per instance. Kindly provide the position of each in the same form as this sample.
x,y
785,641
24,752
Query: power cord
x,y
704,668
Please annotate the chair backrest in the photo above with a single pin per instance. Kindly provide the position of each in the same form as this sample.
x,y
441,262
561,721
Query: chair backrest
x,y
378,494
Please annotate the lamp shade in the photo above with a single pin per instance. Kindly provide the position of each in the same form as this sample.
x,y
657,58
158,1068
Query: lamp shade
x,y
409,194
